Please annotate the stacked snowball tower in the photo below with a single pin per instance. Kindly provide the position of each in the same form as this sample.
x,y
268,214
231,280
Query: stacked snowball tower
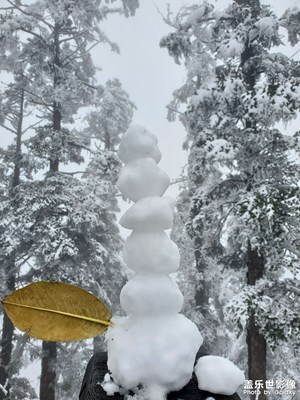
x,y
153,348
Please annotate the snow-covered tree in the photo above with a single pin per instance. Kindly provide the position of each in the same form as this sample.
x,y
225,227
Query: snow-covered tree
x,y
54,39
243,182
14,168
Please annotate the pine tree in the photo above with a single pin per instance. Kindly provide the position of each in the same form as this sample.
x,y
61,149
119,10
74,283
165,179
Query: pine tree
x,y
245,186
56,39
14,165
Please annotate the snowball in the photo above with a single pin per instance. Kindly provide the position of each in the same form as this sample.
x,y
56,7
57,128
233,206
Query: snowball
x,y
155,351
138,142
151,252
142,178
149,214
218,375
149,294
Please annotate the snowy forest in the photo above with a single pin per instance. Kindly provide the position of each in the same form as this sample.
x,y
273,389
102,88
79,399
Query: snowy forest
x,y
236,101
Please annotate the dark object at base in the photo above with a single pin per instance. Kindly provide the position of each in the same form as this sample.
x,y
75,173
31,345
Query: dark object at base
x,y
91,388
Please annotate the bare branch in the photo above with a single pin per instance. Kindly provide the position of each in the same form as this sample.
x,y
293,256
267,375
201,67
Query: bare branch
x,y
41,103
69,57
179,180
9,129
76,172
31,126
73,37
174,109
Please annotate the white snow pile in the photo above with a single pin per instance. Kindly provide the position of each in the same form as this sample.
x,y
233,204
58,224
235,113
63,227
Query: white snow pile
x,y
218,375
152,350
154,347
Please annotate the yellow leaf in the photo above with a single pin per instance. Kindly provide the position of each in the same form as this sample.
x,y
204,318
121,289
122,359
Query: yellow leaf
x,y
57,311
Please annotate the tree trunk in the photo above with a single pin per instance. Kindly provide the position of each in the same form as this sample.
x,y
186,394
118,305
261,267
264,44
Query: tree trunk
x,y
7,341
257,347
202,288
8,328
48,375
49,353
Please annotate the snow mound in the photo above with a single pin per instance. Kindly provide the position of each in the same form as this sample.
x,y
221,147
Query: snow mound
x,y
142,178
157,351
151,252
149,214
218,375
138,142
151,294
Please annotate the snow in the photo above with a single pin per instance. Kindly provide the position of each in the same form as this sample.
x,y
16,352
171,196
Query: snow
x,y
230,47
142,178
219,149
155,350
152,350
151,293
109,386
195,16
199,13
151,252
266,26
149,214
218,375
138,142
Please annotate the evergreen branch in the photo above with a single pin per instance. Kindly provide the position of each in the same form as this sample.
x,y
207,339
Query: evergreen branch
x,y
36,16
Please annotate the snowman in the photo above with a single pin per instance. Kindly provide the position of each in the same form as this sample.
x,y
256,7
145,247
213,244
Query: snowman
x,y
154,346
